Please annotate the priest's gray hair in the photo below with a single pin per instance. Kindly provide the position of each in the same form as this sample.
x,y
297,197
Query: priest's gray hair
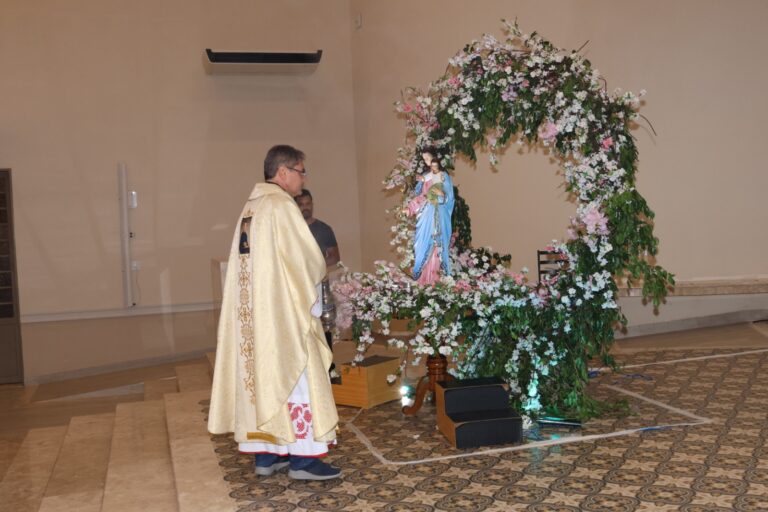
x,y
281,154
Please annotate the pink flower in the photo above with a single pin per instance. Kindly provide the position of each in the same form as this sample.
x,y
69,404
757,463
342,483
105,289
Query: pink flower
x,y
344,290
454,81
525,83
519,278
344,313
464,259
406,108
607,143
463,286
509,94
548,131
595,221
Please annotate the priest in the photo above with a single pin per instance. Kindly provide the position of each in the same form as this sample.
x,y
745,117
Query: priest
x,y
270,383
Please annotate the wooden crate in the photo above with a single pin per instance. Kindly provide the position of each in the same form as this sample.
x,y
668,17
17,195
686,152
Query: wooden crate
x,y
365,385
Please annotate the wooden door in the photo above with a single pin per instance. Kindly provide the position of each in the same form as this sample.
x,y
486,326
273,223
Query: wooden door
x,y
11,368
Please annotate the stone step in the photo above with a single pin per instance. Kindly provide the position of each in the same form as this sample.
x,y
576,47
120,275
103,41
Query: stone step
x,y
140,473
155,389
24,484
77,480
193,377
8,450
200,484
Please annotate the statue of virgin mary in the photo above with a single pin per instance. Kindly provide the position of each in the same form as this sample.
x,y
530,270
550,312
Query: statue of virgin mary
x,y
432,205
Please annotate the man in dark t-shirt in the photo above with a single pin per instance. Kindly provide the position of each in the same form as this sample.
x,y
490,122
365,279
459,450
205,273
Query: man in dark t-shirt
x,y
320,230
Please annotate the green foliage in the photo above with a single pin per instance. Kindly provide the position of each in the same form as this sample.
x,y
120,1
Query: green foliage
x,y
514,95
461,223
629,225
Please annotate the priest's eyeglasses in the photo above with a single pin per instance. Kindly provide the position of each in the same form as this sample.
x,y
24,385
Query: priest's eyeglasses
x,y
303,173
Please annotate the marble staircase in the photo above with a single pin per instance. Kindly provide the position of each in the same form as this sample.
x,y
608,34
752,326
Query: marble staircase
x,y
153,455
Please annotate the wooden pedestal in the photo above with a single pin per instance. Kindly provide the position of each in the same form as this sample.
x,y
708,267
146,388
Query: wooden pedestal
x,y
436,372
365,385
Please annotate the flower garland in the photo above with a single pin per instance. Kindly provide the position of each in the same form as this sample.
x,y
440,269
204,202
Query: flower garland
x,y
538,336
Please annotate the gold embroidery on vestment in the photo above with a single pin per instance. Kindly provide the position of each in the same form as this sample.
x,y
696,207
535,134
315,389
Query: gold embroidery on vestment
x,y
260,436
246,329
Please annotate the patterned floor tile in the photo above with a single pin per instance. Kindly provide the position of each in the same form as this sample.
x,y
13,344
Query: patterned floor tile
x,y
712,467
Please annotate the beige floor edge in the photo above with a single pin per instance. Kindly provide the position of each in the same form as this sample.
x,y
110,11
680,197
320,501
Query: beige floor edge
x,y
200,484
140,475
193,377
24,484
78,478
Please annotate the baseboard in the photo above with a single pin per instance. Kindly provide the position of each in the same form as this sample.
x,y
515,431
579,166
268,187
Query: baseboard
x,y
116,367
700,322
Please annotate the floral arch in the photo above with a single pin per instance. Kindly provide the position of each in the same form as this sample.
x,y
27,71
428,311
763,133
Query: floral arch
x,y
538,336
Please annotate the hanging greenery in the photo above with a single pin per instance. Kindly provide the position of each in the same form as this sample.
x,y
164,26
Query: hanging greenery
x,y
538,336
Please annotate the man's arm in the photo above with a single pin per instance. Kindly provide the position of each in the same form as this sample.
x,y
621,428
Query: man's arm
x,y
326,239
332,256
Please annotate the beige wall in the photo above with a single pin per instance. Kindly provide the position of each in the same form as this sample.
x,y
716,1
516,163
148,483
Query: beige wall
x,y
63,349
704,174
89,83
681,313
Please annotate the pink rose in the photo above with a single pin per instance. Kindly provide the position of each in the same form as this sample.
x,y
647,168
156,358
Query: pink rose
x,y
607,143
595,221
407,108
519,278
548,131
463,286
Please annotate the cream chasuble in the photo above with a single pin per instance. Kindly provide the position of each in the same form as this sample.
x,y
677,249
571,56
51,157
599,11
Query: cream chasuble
x,y
266,335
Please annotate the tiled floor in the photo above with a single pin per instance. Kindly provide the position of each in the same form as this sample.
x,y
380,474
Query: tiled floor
x,y
718,462
54,404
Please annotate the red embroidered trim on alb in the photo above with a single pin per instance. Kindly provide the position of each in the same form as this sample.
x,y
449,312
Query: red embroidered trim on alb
x,y
301,417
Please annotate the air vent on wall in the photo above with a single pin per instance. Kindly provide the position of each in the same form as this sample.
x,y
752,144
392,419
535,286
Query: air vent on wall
x,y
234,63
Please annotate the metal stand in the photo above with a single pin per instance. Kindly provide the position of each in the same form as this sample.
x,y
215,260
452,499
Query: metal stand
x,y
328,319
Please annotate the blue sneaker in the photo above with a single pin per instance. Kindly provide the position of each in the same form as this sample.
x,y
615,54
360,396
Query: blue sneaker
x,y
265,464
312,469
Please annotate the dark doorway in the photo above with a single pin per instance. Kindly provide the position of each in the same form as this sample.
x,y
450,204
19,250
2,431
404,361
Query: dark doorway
x,y
11,367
